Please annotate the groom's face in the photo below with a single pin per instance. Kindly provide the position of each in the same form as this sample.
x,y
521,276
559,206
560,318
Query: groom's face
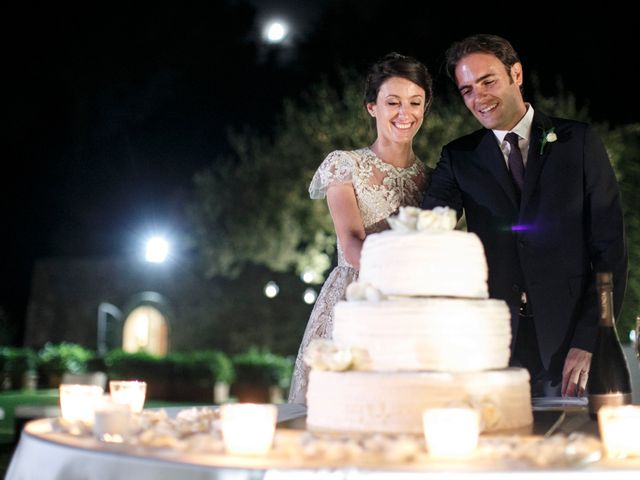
x,y
491,92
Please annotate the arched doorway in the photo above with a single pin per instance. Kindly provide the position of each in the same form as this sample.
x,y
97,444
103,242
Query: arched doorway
x,y
146,328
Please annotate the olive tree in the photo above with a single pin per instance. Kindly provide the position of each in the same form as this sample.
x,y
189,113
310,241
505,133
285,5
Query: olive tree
x,y
253,207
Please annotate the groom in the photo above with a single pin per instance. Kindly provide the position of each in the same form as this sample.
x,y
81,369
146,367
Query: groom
x,y
545,202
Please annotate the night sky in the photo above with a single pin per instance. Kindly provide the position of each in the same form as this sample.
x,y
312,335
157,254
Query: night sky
x,y
112,107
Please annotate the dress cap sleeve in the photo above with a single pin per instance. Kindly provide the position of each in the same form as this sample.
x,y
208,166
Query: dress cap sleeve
x,y
336,169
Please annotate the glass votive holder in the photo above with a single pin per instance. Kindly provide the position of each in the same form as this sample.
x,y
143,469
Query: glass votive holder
x,y
129,392
112,420
620,430
77,402
451,432
248,428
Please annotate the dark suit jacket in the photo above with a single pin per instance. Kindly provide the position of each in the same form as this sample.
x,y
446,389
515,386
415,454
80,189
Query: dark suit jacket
x,y
567,225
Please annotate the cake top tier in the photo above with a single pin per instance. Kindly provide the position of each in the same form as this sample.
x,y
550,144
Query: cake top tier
x,y
422,256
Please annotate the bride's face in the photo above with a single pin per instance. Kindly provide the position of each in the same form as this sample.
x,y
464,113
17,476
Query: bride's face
x,y
398,110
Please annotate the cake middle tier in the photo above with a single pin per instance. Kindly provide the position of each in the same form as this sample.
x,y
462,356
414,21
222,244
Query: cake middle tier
x,y
414,334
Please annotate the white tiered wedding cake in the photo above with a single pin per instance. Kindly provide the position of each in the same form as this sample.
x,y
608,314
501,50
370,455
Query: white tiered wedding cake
x,y
417,331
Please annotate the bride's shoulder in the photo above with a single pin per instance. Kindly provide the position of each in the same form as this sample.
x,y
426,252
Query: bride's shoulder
x,y
357,154
347,158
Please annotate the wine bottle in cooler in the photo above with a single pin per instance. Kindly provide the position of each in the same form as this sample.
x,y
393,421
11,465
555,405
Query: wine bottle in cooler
x,y
609,380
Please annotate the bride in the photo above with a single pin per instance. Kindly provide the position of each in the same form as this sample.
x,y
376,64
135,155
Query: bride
x,y
363,187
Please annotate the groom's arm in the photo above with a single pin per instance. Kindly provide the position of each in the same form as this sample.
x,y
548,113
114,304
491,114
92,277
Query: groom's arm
x,y
605,233
443,190
607,251
607,244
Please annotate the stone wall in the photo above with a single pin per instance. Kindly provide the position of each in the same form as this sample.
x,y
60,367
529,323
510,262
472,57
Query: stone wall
x,y
204,314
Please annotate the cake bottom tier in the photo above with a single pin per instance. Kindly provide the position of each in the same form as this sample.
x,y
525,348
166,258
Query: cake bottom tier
x,y
356,401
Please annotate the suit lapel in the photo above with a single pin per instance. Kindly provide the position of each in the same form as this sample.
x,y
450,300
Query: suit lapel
x,y
535,161
489,154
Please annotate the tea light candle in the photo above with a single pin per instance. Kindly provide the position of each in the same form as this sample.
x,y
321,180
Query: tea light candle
x,y
77,402
620,430
129,392
111,421
451,432
248,428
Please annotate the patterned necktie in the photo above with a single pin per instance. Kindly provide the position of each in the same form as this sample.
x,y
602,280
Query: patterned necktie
x,y
516,165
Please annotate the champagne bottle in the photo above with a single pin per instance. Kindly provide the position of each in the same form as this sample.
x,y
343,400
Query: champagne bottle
x,y
609,380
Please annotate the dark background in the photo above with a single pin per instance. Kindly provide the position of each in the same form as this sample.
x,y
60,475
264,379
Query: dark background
x,y
111,108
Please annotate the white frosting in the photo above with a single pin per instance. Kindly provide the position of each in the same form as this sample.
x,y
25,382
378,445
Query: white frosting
x,y
441,263
394,402
427,334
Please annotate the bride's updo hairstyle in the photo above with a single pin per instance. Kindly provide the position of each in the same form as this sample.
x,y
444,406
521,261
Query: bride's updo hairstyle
x,y
396,65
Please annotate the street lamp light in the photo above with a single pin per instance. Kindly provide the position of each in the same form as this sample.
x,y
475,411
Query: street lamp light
x,y
308,275
271,289
157,250
309,296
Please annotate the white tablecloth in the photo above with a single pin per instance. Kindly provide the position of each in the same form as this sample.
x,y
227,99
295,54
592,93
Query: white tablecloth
x,y
40,456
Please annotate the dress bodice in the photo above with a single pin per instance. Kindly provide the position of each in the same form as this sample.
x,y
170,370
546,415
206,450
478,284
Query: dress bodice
x,y
380,188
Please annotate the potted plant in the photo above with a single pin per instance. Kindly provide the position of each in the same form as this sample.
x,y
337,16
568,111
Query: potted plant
x,y
260,376
201,375
58,359
19,368
141,365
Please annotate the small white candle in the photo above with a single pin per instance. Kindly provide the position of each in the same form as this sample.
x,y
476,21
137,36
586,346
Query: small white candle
x,y
77,402
248,428
451,432
111,421
129,392
620,430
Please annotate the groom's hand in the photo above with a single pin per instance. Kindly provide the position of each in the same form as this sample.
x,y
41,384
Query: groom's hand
x,y
575,372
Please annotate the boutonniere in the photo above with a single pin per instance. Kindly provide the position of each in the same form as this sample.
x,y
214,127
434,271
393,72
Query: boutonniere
x,y
548,136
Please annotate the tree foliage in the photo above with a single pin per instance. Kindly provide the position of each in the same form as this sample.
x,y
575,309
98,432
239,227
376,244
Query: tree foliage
x,y
623,145
253,206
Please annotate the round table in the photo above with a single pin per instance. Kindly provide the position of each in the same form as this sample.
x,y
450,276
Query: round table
x,y
45,453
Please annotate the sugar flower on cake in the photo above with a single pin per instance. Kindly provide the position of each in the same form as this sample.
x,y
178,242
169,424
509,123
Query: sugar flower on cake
x,y
360,291
360,359
406,219
410,219
440,219
487,410
323,354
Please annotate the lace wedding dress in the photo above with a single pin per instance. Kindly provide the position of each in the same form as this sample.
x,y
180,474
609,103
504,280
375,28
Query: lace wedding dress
x,y
381,189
